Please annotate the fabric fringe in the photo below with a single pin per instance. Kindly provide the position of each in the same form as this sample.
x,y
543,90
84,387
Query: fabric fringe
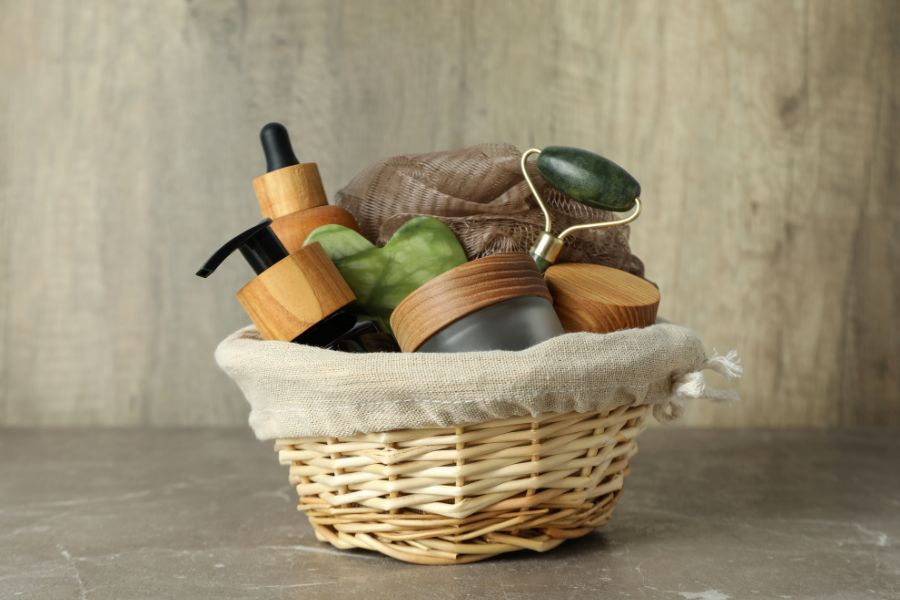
x,y
692,385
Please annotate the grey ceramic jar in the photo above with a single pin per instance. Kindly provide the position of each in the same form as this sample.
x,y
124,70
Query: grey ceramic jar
x,y
499,302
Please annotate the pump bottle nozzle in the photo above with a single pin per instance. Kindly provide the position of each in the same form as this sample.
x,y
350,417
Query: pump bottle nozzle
x,y
259,245
298,297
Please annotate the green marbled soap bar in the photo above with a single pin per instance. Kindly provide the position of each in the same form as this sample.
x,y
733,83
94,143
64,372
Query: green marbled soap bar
x,y
588,178
421,249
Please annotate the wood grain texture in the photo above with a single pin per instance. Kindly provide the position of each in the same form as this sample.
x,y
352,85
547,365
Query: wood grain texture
x,y
294,294
463,290
764,135
600,299
293,229
290,189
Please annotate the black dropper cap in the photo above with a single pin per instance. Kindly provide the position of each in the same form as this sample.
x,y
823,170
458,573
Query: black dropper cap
x,y
259,245
276,144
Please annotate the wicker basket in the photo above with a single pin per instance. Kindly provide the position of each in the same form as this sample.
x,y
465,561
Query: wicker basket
x,y
463,494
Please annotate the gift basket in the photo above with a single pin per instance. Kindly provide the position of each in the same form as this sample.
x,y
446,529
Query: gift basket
x,y
446,377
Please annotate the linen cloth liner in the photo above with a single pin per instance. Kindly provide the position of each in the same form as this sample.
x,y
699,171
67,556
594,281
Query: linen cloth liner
x,y
303,391
481,195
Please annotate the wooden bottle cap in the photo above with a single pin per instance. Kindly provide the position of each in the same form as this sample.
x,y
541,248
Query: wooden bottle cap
x,y
289,189
293,229
461,291
600,299
294,294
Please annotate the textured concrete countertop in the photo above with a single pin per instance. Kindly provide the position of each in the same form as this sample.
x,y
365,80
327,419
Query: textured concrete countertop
x,y
706,515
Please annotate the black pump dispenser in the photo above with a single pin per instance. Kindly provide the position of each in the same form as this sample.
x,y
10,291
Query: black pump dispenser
x,y
276,144
282,301
259,245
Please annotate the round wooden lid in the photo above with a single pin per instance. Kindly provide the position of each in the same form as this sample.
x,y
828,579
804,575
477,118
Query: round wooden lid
x,y
461,291
294,294
289,189
590,297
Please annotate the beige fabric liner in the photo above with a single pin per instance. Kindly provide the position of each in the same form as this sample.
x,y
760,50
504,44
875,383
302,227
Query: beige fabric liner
x,y
299,391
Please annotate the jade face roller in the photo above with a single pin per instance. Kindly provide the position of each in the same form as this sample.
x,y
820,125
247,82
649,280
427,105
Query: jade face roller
x,y
587,178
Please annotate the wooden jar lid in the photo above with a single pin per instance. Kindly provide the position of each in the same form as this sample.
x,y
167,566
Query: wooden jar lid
x,y
289,189
294,294
590,297
461,291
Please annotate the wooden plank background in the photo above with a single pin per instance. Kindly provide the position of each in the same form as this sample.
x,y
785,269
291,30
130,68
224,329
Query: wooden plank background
x,y
764,134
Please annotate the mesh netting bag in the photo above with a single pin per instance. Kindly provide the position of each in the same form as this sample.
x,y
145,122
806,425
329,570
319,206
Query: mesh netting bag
x,y
481,194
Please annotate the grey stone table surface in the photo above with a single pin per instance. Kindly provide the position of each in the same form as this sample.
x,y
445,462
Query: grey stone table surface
x,y
706,515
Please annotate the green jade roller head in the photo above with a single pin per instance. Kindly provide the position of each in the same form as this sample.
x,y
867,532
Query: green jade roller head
x,y
587,178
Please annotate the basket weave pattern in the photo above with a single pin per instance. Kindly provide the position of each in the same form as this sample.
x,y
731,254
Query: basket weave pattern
x,y
462,494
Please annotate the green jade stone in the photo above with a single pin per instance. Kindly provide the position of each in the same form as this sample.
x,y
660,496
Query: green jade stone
x,y
588,178
542,263
381,278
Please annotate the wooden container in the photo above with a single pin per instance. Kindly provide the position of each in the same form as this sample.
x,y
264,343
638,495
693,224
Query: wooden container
x,y
600,299
294,294
293,229
462,494
448,313
289,189
294,198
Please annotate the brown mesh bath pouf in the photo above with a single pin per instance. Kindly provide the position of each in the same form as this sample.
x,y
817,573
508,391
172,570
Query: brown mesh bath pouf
x,y
462,494
481,194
